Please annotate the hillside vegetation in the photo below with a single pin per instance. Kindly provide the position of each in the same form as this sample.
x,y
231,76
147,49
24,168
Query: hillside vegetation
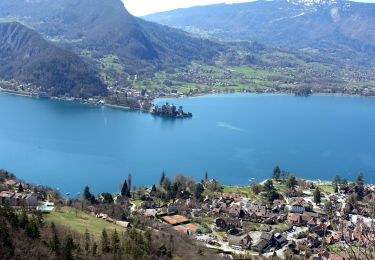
x,y
27,57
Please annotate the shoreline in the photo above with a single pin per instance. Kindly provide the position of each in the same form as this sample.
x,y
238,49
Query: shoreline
x,y
116,106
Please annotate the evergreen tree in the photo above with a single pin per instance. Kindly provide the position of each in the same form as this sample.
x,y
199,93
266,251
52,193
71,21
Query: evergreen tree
x,y
107,197
360,189
352,203
336,180
317,196
199,189
104,242
125,190
87,194
20,188
360,179
153,190
54,242
284,175
5,239
115,243
94,249
272,195
162,178
336,189
68,247
32,229
328,207
268,186
276,173
174,190
23,219
87,241
206,176
344,182
130,182
291,182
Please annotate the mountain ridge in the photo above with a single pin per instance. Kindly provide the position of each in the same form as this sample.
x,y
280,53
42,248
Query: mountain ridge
x,y
27,57
327,26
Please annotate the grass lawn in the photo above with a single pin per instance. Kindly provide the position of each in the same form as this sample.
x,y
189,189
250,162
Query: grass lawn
x,y
326,188
66,216
244,191
137,203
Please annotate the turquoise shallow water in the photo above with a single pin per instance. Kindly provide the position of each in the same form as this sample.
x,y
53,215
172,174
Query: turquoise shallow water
x,y
235,137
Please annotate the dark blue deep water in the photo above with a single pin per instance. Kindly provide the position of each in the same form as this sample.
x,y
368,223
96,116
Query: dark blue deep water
x,y
235,137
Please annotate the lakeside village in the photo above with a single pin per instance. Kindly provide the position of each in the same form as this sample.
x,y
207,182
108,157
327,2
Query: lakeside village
x,y
130,99
284,217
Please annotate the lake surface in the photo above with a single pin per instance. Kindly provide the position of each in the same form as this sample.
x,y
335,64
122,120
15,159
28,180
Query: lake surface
x,y
234,137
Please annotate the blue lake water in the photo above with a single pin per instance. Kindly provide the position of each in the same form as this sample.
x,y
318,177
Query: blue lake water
x,y
234,137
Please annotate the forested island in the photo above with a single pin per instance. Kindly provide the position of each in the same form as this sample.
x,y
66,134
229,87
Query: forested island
x,y
170,110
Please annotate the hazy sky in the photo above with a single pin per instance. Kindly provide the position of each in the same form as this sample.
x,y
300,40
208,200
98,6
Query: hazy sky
x,y
143,7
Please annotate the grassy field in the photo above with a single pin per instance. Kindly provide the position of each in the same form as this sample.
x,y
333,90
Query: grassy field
x,y
67,217
244,191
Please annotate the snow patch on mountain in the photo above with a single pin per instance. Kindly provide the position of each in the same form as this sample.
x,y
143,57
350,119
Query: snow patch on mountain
x,y
313,2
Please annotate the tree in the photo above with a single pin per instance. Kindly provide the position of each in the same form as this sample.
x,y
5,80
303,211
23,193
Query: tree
x,y
343,182
162,178
125,190
336,180
153,190
317,196
328,207
360,179
272,195
32,229
104,242
130,182
199,189
276,173
87,195
23,219
284,175
352,203
107,197
213,185
87,241
291,181
206,176
336,189
360,189
68,247
256,188
20,188
268,186
54,242
94,248
115,243
5,240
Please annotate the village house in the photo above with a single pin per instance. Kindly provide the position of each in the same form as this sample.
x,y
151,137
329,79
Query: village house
x,y
121,200
6,197
300,205
18,199
295,219
262,246
226,224
258,205
240,242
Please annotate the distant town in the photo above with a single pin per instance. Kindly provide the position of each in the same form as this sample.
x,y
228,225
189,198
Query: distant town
x,y
284,217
